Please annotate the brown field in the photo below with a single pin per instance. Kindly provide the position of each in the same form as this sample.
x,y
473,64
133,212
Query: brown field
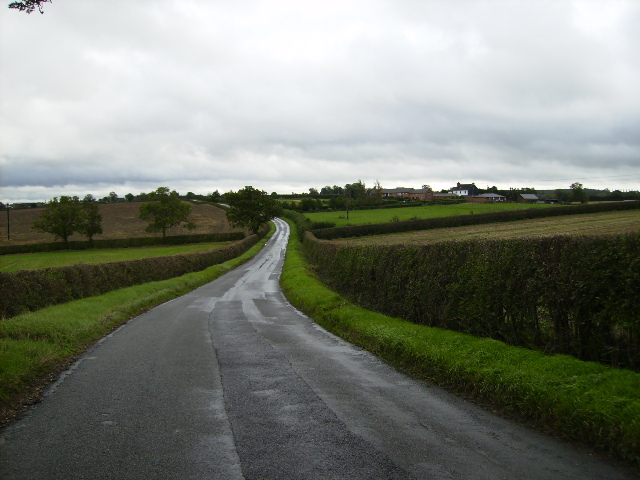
x,y
119,220
587,224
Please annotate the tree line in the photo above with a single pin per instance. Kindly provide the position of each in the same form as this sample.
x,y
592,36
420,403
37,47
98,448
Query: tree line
x,y
62,217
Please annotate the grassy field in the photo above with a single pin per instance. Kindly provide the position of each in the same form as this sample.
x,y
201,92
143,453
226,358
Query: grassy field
x,y
36,261
585,224
119,220
383,215
585,402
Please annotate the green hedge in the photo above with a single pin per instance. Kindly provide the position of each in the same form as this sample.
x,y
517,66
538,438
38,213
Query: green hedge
x,y
30,290
584,401
123,242
578,295
472,219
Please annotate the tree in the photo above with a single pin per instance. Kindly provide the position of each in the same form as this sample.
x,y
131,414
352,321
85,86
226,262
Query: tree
x,y
91,223
215,196
250,208
165,210
129,197
29,5
61,218
113,197
578,194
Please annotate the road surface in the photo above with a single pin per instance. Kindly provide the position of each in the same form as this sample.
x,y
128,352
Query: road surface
x,y
231,382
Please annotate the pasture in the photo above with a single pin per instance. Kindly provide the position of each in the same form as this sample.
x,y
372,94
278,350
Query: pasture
x,y
383,215
35,261
586,224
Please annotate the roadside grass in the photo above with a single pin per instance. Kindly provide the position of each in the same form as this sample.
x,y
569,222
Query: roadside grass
x,y
37,345
584,224
36,261
384,215
586,402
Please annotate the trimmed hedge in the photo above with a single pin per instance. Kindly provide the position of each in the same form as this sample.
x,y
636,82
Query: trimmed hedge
x,y
30,290
578,295
123,242
463,220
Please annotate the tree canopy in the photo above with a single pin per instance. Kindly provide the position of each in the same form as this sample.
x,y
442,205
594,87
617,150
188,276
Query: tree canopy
x,y
29,5
165,210
250,208
66,216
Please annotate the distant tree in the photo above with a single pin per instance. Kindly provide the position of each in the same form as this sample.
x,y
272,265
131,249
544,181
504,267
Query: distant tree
x,y
61,218
578,193
250,208
313,191
142,197
337,203
129,197
356,193
562,195
91,223
113,197
165,210
377,192
215,196
191,195
29,5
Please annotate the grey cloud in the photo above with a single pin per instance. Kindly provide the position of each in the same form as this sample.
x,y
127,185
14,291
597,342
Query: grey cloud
x,y
295,95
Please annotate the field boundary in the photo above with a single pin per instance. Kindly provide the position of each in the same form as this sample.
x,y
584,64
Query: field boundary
x,y
30,290
465,220
122,243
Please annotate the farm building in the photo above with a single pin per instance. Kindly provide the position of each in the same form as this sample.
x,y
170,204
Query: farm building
x,y
487,198
465,190
528,198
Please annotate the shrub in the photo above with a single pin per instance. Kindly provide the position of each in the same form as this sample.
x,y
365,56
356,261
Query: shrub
x,y
578,295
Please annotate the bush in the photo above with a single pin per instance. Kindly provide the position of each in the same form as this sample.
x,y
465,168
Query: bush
x,y
577,295
123,243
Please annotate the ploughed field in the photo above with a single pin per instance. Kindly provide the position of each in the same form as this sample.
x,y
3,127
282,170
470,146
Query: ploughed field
x,y
585,224
119,220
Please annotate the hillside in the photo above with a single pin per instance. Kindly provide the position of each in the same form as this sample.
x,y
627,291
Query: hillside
x,y
119,220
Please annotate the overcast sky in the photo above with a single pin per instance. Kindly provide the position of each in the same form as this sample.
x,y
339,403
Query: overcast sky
x,y
203,95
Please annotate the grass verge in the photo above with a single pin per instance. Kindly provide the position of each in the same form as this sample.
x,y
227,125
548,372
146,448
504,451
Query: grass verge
x,y
582,401
36,346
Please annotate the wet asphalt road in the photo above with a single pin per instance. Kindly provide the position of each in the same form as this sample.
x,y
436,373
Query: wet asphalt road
x,y
231,382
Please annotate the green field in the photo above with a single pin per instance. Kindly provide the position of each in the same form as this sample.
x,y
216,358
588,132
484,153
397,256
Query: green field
x,y
606,223
36,261
382,215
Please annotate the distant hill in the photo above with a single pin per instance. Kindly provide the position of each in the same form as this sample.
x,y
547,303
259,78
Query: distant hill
x,y
119,220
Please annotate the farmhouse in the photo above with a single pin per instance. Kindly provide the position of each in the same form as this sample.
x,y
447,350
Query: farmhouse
x,y
465,190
